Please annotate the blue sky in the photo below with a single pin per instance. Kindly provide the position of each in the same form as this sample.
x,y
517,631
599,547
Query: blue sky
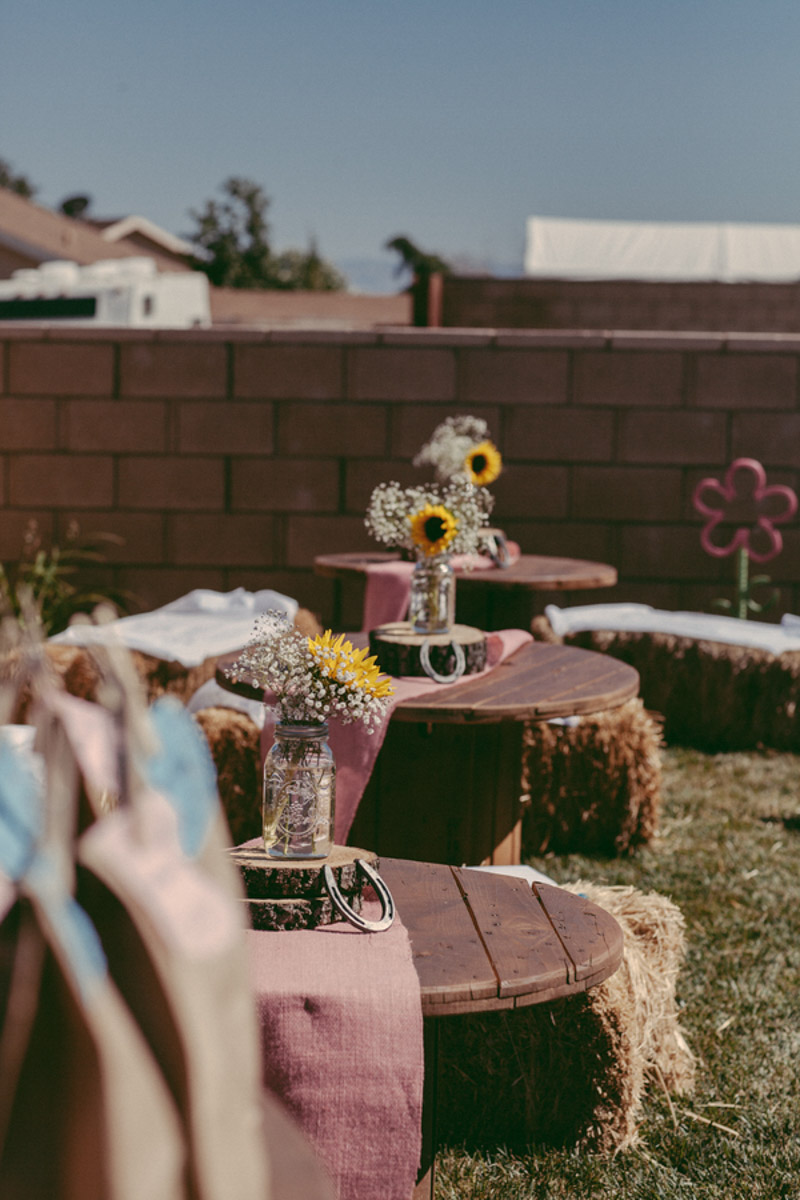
x,y
451,121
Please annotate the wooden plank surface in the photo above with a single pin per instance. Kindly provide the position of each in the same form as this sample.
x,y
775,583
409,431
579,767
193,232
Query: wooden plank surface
x,y
589,935
538,682
525,951
449,956
483,941
532,572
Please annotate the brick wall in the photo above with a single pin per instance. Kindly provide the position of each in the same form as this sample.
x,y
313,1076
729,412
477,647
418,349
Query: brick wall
x,y
232,458
492,303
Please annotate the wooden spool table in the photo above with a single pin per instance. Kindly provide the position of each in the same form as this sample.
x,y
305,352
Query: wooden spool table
x,y
484,941
495,598
447,783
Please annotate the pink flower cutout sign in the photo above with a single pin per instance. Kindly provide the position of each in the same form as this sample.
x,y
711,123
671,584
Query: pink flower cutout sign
x,y
722,503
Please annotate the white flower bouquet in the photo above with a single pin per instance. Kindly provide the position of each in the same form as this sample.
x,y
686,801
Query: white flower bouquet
x,y
430,520
312,679
461,448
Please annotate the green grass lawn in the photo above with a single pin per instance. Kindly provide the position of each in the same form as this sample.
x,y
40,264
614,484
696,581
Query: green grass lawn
x,y
728,853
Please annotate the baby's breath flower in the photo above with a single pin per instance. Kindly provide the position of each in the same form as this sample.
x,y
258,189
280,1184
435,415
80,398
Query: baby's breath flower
x,y
396,516
312,679
460,447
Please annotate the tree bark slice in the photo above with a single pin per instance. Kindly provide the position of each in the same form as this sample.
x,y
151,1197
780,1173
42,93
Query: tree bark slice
x,y
274,915
397,648
268,878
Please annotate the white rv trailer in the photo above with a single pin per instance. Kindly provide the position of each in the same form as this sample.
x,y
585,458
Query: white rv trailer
x,y
112,291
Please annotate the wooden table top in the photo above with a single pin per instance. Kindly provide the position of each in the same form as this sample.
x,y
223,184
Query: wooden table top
x,y
483,941
536,683
532,572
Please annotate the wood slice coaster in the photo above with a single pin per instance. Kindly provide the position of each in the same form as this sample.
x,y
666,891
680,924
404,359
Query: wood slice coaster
x,y
290,893
397,648
274,915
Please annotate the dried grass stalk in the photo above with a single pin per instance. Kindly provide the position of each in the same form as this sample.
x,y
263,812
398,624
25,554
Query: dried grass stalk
x,y
595,787
234,741
574,1072
712,696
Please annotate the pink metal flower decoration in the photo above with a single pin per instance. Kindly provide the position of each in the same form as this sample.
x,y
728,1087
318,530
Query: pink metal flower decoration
x,y
712,499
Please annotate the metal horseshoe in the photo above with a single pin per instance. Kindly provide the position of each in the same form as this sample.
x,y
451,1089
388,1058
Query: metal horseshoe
x,y
425,659
341,905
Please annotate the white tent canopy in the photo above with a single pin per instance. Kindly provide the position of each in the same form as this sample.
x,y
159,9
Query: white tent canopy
x,y
565,248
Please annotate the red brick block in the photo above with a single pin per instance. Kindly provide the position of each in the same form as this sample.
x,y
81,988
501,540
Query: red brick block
x,y
563,434
362,475
284,485
151,587
772,438
668,552
225,427
14,528
643,591
309,590
28,424
309,536
746,381
222,541
412,373
61,480
626,493
673,437
635,378
332,429
142,534
411,425
115,425
524,376
173,369
301,372
60,369
563,539
171,482
530,491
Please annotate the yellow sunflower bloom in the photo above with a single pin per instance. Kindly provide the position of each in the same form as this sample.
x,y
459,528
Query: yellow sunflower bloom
x,y
483,464
433,529
340,661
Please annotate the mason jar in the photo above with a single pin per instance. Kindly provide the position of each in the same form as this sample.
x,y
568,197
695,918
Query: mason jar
x,y
299,793
432,603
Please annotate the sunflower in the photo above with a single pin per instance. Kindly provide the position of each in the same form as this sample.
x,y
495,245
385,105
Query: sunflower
x,y
483,463
433,528
337,660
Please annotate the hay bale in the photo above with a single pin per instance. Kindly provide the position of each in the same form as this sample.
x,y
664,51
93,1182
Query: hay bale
x,y
234,741
574,1071
594,785
712,696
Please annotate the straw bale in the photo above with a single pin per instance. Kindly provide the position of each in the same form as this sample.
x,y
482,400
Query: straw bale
x,y
574,1071
234,741
712,696
595,785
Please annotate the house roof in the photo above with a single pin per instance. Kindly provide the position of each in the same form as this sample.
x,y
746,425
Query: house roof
x,y
115,228
565,248
36,234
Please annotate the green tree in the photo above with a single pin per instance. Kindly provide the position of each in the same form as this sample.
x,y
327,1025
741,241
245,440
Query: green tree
x,y
16,183
421,264
306,271
75,206
233,238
